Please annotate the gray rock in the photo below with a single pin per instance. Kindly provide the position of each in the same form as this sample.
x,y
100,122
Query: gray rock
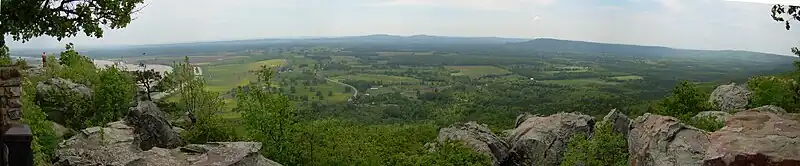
x,y
620,122
522,117
730,98
59,84
543,140
98,146
479,138
716,115
119,125
431,146
771,108
178,130
55,108
114,145
505,134
160,157
756,137
34,71
658,140
232,154
194,148
152,128
61,131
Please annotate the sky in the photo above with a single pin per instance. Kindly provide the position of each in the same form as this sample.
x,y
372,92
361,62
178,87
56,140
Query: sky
x,y
692,24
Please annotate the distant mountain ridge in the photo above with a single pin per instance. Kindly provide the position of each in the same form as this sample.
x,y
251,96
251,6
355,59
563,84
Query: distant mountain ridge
x,y
557,45
540,44
418,39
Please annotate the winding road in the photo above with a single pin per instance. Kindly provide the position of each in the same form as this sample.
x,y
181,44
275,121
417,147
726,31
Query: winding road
x,y
348,85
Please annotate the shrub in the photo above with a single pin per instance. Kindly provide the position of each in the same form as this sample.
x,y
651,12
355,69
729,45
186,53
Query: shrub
x,y
709,124
771,90
45,140
605,147
685,101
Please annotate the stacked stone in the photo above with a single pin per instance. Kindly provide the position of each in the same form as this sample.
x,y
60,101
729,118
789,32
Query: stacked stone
x,y
10,92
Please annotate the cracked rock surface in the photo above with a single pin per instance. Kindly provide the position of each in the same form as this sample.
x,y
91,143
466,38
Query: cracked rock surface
x,y
756,137
656,140
543,140
479,138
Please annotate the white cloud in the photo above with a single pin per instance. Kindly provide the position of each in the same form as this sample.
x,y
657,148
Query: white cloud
x,y
508,5
672,4
786,2
610,7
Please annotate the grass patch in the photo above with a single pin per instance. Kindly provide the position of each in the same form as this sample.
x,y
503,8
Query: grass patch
x,y
221,78
477,71
569,69
627,78
345,59
566,71
270,63
379,78
579,82
403,53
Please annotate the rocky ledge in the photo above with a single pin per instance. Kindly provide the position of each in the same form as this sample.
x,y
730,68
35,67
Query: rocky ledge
x,y
114,144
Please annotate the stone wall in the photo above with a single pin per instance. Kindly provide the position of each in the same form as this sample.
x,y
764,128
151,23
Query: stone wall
x,y
10,92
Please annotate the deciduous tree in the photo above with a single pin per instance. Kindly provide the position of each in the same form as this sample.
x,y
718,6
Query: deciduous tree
x,y
26,19
147,78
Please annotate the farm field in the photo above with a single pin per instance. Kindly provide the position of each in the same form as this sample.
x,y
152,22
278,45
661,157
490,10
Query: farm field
x,y
403,53
379,78
580,82
269,63
477,71
627,78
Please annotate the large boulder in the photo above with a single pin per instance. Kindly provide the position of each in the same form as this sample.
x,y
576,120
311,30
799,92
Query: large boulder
x,y
543,140
730,98
233,154
719,116
479,138
619,122
756,137
656,140
110,145
152,128
56,84
49,95
114,145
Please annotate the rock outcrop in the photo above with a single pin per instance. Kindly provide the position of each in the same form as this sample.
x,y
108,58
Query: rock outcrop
x,y
53,106
543,140
61,131
656,140
771,108
730,98
111,145
756,137
522,117
619,122
479,138
152,128
62,84
716,115
114,145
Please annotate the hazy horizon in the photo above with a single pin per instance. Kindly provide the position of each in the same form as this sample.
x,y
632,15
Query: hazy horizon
x,y
686,24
